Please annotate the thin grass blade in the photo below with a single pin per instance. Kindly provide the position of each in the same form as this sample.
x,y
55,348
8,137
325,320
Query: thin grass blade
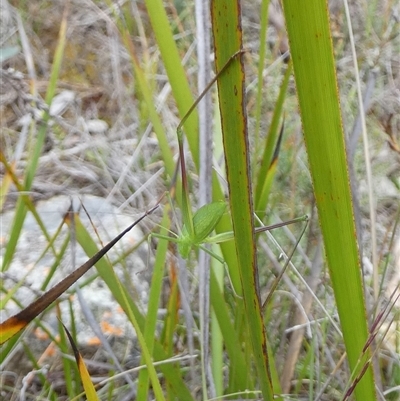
x,y
176,73
262,186
152,308
90,391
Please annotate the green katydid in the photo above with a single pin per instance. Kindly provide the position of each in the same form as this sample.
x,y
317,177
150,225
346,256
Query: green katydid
x,y
197,228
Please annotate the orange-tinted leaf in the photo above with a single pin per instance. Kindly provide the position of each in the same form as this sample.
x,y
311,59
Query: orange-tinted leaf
x,y
86,380
11,327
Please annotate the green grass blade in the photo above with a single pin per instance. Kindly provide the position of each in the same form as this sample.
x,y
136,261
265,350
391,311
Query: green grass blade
x,y
176,73
227,41
145,92
231,339
5,183
314,68
148,98
262,190
217,354
69,367
27,200
152,308
261,63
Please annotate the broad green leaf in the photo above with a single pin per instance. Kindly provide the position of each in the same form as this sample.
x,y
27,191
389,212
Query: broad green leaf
x,y
231,337
314,70
226,22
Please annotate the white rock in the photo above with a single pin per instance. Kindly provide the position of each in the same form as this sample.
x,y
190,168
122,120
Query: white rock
x,y
61,102
96,126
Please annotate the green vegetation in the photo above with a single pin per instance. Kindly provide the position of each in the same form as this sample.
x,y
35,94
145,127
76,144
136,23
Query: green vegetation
x,y
106,87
